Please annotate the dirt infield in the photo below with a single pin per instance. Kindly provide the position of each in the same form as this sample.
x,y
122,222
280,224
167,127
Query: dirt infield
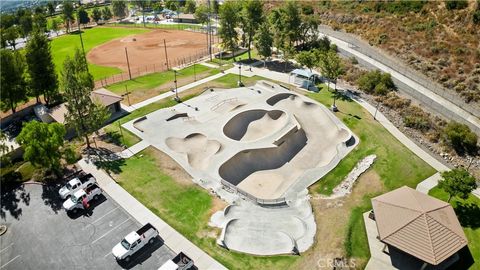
x,y
148,49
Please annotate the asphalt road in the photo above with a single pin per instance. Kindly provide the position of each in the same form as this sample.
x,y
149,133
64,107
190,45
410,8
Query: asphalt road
x,y
41,235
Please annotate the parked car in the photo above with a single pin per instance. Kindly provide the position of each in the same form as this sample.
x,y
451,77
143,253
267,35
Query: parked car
x,y
134,241
81,198
180,262
76,184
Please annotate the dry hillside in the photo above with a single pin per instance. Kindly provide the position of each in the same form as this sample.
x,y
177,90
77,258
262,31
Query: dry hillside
x,y
442,43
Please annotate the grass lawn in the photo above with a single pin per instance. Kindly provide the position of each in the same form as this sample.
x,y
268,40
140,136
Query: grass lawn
x,y
396,165
150,85
64,46
468,213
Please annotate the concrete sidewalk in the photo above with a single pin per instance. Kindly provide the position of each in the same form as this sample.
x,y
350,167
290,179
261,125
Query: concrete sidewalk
x,y
173,239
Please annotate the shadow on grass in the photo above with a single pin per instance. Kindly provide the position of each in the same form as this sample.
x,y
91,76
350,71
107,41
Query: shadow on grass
x,y
468,214
113,137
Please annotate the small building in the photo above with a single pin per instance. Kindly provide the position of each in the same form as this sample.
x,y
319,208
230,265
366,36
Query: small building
x,y
184,18
304,79
58,113
420,230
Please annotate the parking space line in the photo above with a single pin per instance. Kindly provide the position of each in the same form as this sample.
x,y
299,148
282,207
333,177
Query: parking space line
x,y
107,254
9,261
6,248
96,240
98,219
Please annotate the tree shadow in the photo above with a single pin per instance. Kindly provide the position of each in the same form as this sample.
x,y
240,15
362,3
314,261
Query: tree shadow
x,y
51,198
280,66
468,214
112,137
11,197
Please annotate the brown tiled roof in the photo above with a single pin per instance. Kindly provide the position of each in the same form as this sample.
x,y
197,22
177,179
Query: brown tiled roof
x,y
105,97
418,224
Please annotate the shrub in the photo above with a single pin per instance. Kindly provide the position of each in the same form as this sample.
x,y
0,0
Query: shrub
x,y
416,118
456,4
460,138
374,82
393,101
476,17
353,60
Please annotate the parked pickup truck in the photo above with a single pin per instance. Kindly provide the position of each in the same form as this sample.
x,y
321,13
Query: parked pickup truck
x,y
82,197
180,262
134,241
76,184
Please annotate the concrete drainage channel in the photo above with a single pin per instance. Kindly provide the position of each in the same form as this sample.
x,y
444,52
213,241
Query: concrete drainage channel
x,y
3,229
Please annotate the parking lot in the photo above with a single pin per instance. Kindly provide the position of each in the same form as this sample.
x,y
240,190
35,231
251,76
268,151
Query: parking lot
x,y
41,235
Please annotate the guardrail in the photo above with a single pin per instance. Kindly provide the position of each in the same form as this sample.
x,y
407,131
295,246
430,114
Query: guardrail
x,y
262,202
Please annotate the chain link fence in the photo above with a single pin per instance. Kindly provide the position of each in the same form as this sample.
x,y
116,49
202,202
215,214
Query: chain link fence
x,y
179,62
402,68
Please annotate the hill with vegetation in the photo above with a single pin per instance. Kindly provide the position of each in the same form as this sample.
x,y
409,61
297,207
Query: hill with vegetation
x,y
441,39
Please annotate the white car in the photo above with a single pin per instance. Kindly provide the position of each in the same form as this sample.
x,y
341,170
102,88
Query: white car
x,y
180,262
133,242
76,184
75,201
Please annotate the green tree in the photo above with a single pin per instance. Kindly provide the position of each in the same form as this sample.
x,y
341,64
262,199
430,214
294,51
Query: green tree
x,y
376,82
292,21
119,8
171,4
456,4
11,34
40,22
54,26
460,138
215,6
4,150
190,6
264,41
26,24
84,114
331,67
307,59
50,8
96,15
201,14
43,78
252,18
13,82
67,14
106,13
82,16
457,183
42,143
228,23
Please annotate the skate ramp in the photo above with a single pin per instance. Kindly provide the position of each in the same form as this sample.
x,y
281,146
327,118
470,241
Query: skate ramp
x,y
248,162
254,124
197,148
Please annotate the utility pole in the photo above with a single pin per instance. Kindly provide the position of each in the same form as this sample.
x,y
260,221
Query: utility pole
x,y
128,95
176,88
166,55
128,64
194,73
81,40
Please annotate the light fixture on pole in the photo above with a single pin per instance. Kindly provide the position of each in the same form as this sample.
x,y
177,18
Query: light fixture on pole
x,y
240,84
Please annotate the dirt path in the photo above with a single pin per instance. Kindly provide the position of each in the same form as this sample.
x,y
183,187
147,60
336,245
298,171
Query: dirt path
x,y
332,218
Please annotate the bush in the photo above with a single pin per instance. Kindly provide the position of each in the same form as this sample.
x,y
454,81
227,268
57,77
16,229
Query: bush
x,y
476,17
416,118
395,102
375,82
460,138
399,7
456,4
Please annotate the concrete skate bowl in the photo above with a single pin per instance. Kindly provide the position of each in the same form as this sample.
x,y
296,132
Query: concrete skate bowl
x,y
197,148
247,162
258,238
254,124
273,100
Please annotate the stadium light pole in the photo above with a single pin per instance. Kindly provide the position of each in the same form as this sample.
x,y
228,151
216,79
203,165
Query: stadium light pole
x,y
166,55
240,84
177,99
128,64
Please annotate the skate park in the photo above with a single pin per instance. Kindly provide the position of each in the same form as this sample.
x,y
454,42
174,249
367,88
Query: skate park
x,y
258,148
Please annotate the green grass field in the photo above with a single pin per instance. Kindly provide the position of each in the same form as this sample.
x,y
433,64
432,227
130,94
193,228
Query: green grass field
x,y
154,84
468,213
64,46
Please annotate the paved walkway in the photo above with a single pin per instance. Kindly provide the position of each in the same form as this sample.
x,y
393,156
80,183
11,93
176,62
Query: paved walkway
x,y
173,239
453,108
